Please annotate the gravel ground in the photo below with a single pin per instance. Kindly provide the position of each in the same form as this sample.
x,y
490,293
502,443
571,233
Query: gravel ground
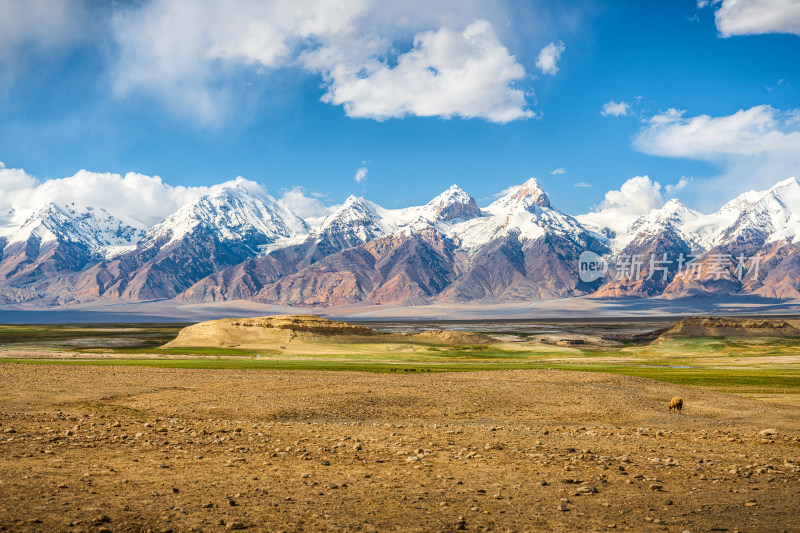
x,y
143,449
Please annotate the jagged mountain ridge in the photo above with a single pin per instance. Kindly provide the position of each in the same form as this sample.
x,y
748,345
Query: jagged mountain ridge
x,y
218,230
234,244
55,240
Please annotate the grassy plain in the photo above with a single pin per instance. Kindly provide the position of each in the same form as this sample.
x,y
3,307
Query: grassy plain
x,y
768,368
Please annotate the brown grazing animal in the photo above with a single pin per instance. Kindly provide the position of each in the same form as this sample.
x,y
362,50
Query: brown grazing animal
x,y
676,403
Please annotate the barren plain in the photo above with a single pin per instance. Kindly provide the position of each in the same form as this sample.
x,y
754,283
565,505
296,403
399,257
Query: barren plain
x,y
105,448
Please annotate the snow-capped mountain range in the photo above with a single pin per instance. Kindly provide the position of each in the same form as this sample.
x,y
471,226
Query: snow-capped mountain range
x,y
96,229
234,243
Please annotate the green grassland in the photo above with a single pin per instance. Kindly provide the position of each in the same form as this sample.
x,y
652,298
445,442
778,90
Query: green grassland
x,y
751,366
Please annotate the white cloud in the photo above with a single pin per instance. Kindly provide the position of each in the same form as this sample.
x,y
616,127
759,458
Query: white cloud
x,y
621,207
615,109
135,197
748,132
507,191
34,25
557,171
682,183
583,184
753,17
351,43
361,175
549,56
181,49
303,204
638,195
446,73
753,147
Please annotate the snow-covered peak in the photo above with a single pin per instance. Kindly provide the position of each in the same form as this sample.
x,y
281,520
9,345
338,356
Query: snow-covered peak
x,y
231,214
673,213
97,229
356,210
672,216
774,213
786,191
524,210
355,222
528,197
451,206
454,204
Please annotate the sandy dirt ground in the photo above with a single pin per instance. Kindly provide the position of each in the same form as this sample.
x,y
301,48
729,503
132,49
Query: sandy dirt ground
x,y
106,449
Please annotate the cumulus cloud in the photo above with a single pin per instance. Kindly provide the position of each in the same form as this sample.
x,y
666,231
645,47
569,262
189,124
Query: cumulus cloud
x,y
621,207
753,17
351,43
132,197
361,175
304,204
549,56
446,73
615,109
557,171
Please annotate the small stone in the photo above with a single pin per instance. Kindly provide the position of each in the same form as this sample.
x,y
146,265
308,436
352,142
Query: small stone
x,y
208,505
305,475
543,483
562,507
460,523
234,525
412,459
9,430
767,432
655,486
101,519
658,521
667,502
325,463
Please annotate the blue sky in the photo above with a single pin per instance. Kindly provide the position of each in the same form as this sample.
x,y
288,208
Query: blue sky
x,y
289,95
